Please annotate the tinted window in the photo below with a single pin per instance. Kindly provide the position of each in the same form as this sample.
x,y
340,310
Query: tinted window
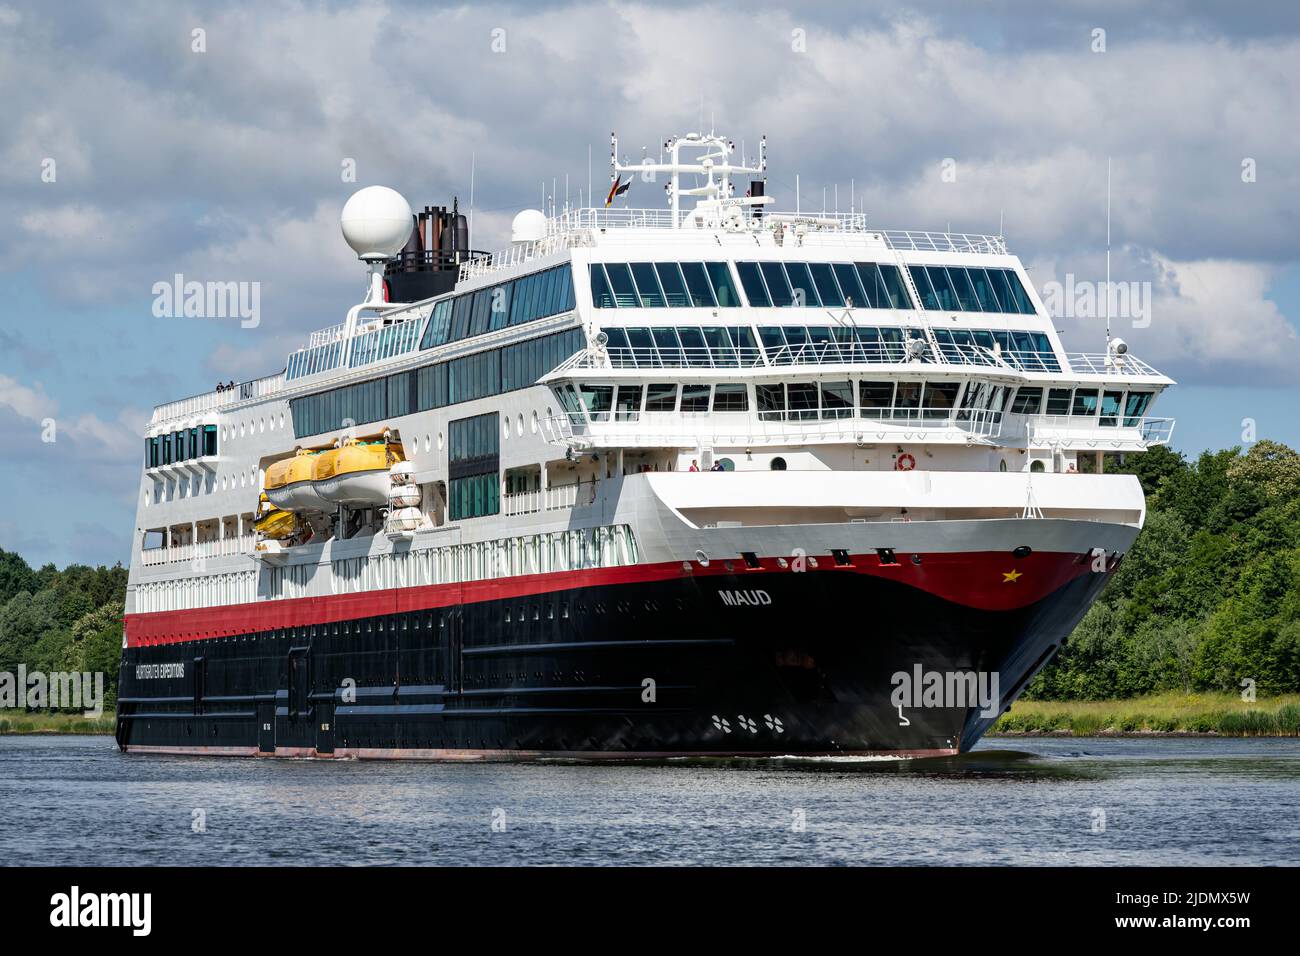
x,y
647,285
778,287
695,398
755,291
1028,401
965,293
620,281
661,397
670,279
928,299
943,290
898,297
824,279
730,397
723,289
697,282
849,283
801,282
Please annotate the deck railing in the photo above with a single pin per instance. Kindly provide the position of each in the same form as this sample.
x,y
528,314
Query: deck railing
x,y
550,499
206,401
195,551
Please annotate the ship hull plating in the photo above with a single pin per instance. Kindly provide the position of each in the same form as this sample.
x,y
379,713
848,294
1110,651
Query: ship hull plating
x,y
757,663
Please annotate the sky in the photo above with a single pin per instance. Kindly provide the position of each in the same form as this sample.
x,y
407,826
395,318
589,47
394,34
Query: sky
x,y
140,141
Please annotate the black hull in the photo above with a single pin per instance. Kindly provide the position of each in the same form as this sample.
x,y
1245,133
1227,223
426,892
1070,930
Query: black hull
x,y
808,673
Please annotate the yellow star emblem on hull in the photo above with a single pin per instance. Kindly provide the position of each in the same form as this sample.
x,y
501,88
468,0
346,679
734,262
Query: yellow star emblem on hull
x,y
1010,577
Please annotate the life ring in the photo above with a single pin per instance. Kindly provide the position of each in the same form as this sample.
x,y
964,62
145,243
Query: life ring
x,y
905,462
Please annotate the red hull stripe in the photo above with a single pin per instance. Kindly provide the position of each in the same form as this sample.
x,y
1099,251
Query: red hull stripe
x,y
978,579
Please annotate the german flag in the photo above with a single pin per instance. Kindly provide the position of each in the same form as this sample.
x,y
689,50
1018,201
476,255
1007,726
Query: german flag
x,y
616,190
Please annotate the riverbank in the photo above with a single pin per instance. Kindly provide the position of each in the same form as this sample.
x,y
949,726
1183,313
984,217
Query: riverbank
x,y
28,723
1225,715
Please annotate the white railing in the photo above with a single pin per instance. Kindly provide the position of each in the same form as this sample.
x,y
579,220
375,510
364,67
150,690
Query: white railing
x,y
242,392
693,430
170,554
326,336
906,241
516,254
552,499
1100,363
1078,430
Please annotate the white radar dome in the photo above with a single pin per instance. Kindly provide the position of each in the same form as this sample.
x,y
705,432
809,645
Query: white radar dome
x,y
528,226
376,222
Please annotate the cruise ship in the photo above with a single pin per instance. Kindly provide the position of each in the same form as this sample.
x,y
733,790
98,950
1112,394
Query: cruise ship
x,y
708,479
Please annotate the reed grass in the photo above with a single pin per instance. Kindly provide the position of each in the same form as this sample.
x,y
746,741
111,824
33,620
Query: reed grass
x,y
1168,713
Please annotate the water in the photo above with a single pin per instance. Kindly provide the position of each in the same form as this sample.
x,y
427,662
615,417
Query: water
x,y
77,801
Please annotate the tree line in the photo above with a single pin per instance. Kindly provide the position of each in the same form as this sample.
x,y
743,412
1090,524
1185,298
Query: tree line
x,y
1209,595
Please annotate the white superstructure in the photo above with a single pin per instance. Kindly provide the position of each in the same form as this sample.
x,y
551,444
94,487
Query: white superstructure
x,y
548,413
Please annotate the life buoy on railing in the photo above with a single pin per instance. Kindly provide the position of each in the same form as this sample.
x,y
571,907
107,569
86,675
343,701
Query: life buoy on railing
x,y
905,462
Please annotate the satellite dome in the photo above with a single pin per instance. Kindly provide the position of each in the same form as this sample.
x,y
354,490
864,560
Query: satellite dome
x,y
376,222
528,226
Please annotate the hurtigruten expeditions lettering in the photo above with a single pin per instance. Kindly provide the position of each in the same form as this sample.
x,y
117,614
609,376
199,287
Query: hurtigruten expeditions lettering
x,y
155,671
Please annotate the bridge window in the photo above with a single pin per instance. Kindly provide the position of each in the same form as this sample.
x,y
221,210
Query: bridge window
x,y
1110,405
628,406
730,397
940,398
597,400
771,401
661,397
801,400
1058,401
1135,408
875,398
837,399
1028,401
695,398
1085,402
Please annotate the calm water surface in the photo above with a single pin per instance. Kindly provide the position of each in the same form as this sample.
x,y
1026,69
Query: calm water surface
x,y
77,801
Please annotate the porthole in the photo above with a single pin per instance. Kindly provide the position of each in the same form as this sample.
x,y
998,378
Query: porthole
x,y
1023,551
505,428
519,428
778,464
534,423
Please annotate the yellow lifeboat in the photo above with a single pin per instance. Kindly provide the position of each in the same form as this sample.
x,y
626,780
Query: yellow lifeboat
x,y
273,522
288,483
356,473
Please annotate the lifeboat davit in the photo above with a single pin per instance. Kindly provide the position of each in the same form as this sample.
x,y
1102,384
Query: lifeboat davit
x,y
356,473
289,484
